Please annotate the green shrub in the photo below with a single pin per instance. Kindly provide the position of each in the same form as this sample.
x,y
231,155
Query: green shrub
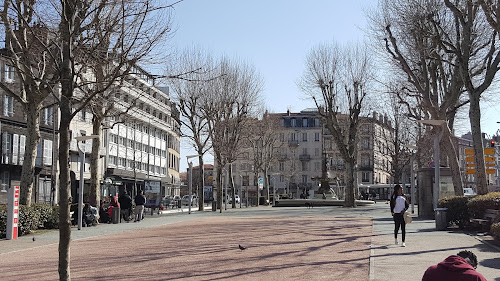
x,y
53,220
3,221
31,218
479,204
458,212
495,230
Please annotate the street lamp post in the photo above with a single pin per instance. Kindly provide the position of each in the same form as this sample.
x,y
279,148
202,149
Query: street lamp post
x,y
412,177
439,123
82,168
190,181
241,187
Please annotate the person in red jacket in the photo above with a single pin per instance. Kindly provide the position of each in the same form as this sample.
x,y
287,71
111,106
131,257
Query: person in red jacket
x,y
460,267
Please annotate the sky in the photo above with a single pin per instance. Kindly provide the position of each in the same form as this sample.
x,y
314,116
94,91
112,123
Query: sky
x,y
275,36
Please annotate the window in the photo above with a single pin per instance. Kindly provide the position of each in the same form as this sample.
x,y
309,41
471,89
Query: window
x,y
304,150
316,122
305,166
114,138
316,151
293,122
304,136
121,140
9,73
246,181
282,178
4,181
83,115
112,160
130,164
282,166
292,136
316,136
48,116
365,176
282,136
6,148
8,106
122,161
304,178
304,122
130,143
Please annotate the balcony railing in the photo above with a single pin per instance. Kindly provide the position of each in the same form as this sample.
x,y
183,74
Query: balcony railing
x,y
293,143
304,157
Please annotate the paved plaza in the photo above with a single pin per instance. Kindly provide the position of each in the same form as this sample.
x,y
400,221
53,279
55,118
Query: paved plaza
x,y
323,243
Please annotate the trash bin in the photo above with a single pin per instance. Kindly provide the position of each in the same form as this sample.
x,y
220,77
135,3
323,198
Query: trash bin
x,y
115,218
214,206
440,217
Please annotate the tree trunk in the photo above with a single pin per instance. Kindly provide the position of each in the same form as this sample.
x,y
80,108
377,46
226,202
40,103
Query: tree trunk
x,y
30,152
449,149
233,195
349,189
266,183
64,193
66,28
219,185
256,175
201,195
95,189
477,139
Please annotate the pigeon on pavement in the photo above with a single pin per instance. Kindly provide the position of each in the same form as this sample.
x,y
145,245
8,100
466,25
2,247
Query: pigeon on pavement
x,y
241,247
34,239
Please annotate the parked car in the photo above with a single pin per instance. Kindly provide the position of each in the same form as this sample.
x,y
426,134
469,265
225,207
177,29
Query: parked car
x,y
185,200
469,192
236,199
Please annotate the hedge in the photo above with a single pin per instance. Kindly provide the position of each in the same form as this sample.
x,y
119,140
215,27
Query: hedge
x,y
31,218
495,230
478,205
458,211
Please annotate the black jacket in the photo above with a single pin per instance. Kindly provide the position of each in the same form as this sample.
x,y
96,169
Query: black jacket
x,y
140,200
125,201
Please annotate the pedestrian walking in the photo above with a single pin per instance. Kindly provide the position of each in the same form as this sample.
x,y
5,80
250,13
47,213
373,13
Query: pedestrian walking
x,y
140,200
126,205
456,267
399,205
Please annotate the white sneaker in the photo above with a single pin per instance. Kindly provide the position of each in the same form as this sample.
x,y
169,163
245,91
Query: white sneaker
x,y
403,245
396,241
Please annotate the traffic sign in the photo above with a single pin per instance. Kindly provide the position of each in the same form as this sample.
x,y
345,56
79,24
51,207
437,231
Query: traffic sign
x,y
489,159
470,171
490,164
490,171
432,164
469,165
469,159
469,151
489,151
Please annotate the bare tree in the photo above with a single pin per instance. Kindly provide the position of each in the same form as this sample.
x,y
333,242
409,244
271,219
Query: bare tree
x,y
198,70
475,45
32,53
336,79
228,101
79,24
262,137
431,84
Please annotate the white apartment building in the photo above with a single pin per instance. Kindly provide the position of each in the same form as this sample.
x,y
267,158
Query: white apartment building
x,y
140,148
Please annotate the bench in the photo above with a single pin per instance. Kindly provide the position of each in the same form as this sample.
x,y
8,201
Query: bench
x,y
490,216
